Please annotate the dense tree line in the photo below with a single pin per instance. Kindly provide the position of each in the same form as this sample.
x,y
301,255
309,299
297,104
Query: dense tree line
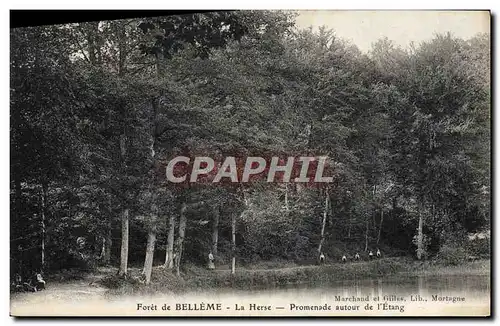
x,y
98,108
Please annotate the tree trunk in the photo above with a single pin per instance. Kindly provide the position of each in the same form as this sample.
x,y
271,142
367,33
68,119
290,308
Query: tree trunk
x,y
103,248
17,220
332,213
121,48
366,234
108,243
93,46
150,247
420,236
180,239
160,58
42,224
169,256
124,250
150,250
215,230
233,244
123,270
380,226
323,224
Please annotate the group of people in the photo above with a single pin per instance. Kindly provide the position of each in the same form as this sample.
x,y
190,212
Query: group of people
x,y
356,257
33,284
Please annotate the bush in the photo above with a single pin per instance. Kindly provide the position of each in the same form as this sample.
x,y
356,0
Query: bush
x,y
480,248
452,255
115,281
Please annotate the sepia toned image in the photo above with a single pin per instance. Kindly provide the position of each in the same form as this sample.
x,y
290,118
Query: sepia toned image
x,y
252,163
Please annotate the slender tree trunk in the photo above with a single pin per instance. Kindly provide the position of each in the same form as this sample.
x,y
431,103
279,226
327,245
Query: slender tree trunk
x,y
180,238
169,256
233,244
123,270
366,234
108,242
160,63
150,247
124,249
94,51
287,207
215,230
148,262
43,230
331,210
121,48
233,232
323,224
103,248
420,235
380,226
17,221
150,250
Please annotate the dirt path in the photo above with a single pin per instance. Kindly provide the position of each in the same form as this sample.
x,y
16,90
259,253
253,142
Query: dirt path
x,y
87,289
63,291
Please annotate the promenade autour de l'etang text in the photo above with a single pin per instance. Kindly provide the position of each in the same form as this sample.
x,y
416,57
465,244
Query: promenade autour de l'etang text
x,y
351,303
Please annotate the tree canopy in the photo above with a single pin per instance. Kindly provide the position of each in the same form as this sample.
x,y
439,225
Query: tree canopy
x,y
98,108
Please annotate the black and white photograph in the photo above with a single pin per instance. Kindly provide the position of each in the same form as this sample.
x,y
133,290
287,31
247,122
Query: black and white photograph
x,y
251,163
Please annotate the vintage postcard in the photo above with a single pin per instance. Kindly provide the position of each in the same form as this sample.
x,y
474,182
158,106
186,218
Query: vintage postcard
x,y
252,163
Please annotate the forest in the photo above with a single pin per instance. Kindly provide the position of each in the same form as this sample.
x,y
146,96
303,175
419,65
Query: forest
x,y
97,109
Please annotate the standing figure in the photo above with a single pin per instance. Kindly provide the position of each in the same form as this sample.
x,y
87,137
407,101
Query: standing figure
x,y
379,255
321,259
356,257
344,259
211,264
370,254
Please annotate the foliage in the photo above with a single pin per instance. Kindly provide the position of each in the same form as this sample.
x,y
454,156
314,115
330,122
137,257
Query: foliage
x,y
98,108
452,255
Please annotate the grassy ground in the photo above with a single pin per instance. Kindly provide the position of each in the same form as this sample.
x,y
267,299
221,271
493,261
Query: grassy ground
x,y
254,277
